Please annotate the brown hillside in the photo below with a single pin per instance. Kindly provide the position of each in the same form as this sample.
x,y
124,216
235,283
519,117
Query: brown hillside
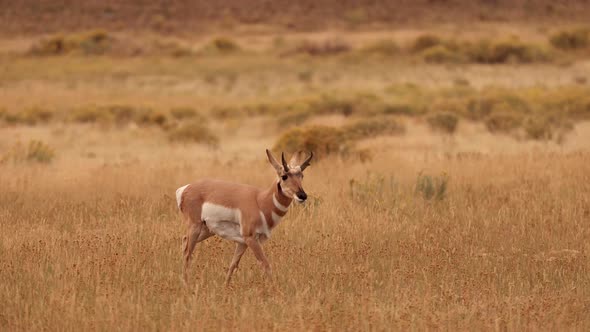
x,y
182,16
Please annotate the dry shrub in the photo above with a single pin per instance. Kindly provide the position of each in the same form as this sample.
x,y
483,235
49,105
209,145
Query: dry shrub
x,y
510,51
93,42
503,122
324,140
34,151
384,47
374,127
486,51
89,114
538,128
117,114
171,48
443,122
193,132
29,116
221,45
183,113
424,42
322,48
573,39
442,54
494,100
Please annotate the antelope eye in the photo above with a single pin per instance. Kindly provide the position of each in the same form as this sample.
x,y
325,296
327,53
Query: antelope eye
x,y
284,177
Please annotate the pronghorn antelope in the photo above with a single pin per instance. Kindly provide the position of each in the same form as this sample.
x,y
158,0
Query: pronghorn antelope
x,y
238,212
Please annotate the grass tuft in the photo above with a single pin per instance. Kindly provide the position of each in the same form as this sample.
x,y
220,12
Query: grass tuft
x,y
34,151
432,187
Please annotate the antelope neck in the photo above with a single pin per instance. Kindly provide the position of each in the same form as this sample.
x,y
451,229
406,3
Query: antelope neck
x,y
280,196
273,204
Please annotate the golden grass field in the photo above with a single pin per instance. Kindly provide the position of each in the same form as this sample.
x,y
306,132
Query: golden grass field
x,y
480,224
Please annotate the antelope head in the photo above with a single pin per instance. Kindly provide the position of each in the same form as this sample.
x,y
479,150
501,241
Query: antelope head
x,y
291,174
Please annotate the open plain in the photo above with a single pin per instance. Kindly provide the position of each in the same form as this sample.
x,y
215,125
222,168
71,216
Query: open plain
x,y
451,188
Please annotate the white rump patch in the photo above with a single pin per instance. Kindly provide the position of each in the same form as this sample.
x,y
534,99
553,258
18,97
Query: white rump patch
x,y
276,218
278,205
223,221
179,192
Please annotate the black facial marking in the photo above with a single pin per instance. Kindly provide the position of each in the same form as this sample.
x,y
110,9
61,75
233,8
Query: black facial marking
x,y
284,177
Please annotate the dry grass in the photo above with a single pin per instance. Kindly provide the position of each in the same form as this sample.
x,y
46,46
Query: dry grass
x,y
404,228
506,248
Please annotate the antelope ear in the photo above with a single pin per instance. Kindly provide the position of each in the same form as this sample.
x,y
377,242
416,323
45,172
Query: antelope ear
x,y
275,164
297,159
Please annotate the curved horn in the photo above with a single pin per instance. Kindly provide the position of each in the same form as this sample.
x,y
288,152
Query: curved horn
x,y
285,166
306,162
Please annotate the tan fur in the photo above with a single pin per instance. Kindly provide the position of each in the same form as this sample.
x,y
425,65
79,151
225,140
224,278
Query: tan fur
x,y
251,202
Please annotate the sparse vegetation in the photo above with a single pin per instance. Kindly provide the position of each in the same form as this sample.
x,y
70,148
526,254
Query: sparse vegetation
x,y
94,42
574,39
193,132
490,235
34,151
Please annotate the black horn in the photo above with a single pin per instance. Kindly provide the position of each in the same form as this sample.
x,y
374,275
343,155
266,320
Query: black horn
x,y
285,166
306,162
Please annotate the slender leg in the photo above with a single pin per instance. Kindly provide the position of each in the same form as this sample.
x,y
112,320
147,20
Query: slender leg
x,y
189,242
240,250
259,253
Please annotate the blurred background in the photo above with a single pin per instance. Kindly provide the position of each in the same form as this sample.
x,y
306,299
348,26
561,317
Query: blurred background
x,y
228,77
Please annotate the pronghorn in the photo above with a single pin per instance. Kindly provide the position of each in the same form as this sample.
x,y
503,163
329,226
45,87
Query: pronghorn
x,y
239,212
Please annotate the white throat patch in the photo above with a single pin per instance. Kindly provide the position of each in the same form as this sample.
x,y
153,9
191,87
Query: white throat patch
x,y
278,205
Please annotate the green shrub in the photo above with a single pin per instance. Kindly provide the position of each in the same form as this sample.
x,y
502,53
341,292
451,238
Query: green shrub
x,y
571,39
444,122
195,132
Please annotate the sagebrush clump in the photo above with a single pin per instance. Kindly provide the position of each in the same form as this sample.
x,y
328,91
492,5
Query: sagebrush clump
x,y
193,132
